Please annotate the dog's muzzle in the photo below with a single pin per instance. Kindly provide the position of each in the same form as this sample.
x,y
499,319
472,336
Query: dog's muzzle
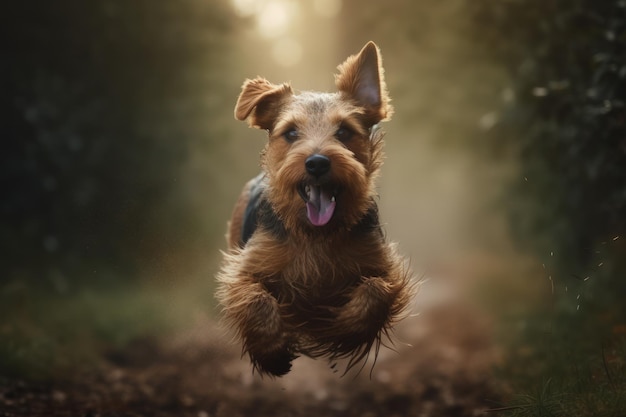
x,y
318,194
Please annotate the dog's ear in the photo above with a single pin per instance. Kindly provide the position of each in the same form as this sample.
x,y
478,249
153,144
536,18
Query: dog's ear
x,y
260,102
361,79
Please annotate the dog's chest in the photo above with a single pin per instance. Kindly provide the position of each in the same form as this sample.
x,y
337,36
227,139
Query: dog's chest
x,y
321,266
322,271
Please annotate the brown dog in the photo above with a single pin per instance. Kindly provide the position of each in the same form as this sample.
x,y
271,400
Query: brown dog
x,y
309,270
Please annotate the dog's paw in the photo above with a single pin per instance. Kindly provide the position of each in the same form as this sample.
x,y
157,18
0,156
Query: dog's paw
x,y
274,363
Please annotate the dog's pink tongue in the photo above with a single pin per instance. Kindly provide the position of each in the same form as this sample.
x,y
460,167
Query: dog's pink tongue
x,y
320,207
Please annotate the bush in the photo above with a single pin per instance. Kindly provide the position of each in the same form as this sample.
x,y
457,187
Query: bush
x,y
101,102
568,121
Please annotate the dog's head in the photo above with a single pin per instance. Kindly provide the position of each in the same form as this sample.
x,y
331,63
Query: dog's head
x,y
324,151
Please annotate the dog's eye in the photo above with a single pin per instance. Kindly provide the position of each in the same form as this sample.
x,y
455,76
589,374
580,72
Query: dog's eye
x,y
344,134
291,135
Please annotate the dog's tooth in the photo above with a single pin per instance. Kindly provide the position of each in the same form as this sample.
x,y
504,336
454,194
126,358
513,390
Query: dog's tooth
x,y
332,198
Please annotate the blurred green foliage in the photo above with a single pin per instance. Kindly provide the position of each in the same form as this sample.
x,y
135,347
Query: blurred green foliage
x,y
52,335
102,101
566,118
103,104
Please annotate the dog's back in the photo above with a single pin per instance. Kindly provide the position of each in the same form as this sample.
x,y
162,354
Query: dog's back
x,y
243,220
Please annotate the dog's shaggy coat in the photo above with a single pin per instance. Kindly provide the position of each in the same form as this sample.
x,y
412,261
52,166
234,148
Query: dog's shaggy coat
x,y
308,270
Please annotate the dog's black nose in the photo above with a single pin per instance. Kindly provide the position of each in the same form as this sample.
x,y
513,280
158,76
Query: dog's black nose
x,y
317,165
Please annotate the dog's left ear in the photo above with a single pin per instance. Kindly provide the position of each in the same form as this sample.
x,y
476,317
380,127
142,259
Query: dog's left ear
x,y
260,102
361,79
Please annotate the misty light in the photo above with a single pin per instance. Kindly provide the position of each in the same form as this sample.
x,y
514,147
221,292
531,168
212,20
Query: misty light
x,y
278,21
327,8
275,18
287,52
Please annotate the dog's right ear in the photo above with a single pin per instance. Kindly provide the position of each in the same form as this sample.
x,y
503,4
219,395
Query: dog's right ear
x,y
361,79
260,102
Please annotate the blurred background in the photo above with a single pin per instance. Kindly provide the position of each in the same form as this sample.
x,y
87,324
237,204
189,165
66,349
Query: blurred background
x,y
121,160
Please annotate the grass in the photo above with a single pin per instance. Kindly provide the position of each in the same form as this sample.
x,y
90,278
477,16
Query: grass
x,y
47,334
566,380
567,357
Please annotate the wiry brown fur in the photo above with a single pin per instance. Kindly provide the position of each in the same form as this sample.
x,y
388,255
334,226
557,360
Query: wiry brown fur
x,y
296,288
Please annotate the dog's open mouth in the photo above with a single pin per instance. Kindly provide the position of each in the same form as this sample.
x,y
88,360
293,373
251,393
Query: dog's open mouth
x,y
320,202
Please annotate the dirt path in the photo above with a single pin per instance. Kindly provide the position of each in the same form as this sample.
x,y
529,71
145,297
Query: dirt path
x,y
441,367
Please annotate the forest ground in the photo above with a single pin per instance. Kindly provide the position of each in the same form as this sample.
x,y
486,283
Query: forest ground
x,y
442,365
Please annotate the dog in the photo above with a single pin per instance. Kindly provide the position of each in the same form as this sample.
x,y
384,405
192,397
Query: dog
x,y
309,270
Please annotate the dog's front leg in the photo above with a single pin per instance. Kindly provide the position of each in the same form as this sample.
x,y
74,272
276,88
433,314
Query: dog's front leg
x,y
368,309
374,305
255,315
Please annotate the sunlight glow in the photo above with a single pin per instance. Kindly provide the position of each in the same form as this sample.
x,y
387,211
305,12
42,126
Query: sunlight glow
x,y
247,8
275,18
327,8
287,52
280,21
